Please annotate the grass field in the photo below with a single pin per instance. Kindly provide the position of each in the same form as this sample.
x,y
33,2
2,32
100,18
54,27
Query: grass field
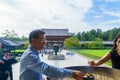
x,y
19,50
98,53
93,54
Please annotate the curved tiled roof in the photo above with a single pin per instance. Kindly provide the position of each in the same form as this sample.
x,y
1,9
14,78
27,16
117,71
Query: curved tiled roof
x,y
8,42
54,32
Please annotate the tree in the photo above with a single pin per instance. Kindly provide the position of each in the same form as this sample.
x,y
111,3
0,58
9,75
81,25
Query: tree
x,y
105,36
71,43
6,33
10,34
78,36
13,35
110,38
23,38
92,35
84,36
99,33
97,44
26,44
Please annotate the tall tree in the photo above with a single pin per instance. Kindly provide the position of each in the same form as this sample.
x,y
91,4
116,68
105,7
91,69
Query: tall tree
x,y
110,36
11,34
84,36
79,36
92,35
99,33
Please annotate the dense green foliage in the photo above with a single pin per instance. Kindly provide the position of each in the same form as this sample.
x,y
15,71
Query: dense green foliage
x,y
82,36
13,35
96,44
72,43
26,44
92,34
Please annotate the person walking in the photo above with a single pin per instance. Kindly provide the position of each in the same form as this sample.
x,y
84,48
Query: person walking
x,y
114,55
31,66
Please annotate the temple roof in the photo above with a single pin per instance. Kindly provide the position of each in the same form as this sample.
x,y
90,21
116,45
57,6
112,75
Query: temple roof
x,y
58,32
8,42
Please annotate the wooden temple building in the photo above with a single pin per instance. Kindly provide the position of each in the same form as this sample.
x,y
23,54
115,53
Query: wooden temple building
x,y
56,36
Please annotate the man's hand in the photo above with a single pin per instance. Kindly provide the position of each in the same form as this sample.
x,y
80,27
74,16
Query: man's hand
x,y
2,62
77,75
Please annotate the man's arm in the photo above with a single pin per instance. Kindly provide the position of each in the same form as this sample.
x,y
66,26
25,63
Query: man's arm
x,y
43,68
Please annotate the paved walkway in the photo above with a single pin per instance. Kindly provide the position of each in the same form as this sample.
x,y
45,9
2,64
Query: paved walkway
x,y
70,60
16,68
75,60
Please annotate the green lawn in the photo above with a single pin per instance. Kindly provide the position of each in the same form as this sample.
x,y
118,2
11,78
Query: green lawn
x,y
98,53
93,54
19,50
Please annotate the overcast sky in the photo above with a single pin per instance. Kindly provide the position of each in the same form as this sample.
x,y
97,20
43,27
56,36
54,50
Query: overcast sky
x,y
22,16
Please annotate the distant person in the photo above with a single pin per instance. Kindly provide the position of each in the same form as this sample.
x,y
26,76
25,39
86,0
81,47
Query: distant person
x,y
8,61
114,55
31,66
60,49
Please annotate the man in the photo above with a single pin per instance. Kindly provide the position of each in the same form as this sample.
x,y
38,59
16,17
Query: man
x,y
32,68
8,61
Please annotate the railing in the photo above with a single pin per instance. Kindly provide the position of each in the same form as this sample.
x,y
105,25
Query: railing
x,y
99,73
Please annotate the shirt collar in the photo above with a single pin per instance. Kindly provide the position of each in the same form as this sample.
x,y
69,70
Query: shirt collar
x,y
33,49
5,58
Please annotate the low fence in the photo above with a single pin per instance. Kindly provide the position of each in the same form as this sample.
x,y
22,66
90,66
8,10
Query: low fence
x,y
99,73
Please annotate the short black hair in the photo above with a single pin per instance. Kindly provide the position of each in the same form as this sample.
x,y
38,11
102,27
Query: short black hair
x,y
35,34
6,51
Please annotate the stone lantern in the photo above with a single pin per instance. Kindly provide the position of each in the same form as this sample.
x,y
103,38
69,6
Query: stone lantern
x,y
55,48
56,56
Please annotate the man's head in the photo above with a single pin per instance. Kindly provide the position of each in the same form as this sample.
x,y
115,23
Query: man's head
x,y
6,53
37,39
